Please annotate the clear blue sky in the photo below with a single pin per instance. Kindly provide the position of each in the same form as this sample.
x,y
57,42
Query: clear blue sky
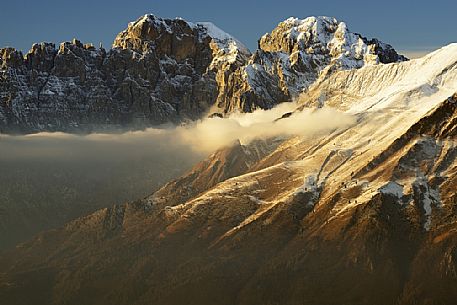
x,y
407,25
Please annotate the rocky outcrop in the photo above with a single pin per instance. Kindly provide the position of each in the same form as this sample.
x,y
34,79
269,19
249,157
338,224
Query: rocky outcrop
x,y
162,70
157,71
294,55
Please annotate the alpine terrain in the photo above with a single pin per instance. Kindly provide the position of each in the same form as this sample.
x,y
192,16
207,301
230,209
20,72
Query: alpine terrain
x,y
365,214
162,70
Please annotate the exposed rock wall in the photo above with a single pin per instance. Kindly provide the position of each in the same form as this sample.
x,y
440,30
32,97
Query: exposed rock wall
x,y
158,71
162,70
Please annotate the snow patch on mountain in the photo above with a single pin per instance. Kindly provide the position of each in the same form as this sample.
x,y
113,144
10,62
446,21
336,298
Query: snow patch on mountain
x,y
228,50
216,33
309,184
152,19
392,188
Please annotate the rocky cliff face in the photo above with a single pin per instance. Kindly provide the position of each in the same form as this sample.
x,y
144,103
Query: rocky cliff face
x,y
162,70
158,71
296,54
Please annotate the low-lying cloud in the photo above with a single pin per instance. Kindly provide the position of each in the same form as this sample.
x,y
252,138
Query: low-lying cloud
x,y
198,138
212,133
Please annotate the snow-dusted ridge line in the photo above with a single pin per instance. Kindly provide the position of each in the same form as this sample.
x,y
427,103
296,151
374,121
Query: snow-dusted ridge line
x,y
216,33
403,85
425,77
227,49
299,52
350,49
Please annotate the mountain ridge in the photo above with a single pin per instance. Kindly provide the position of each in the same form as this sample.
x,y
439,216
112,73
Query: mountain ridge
x,y
169,70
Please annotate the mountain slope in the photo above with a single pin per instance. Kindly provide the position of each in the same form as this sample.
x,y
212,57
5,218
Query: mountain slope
x,y
225,163
357,216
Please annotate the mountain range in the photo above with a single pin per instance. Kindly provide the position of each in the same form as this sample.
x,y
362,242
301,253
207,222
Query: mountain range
x,y
363,214
162,70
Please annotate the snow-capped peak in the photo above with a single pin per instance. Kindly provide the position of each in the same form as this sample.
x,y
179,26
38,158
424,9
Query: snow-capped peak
x,y
229,49
216,33
320,36
207,28
151,19
300,51
226,48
